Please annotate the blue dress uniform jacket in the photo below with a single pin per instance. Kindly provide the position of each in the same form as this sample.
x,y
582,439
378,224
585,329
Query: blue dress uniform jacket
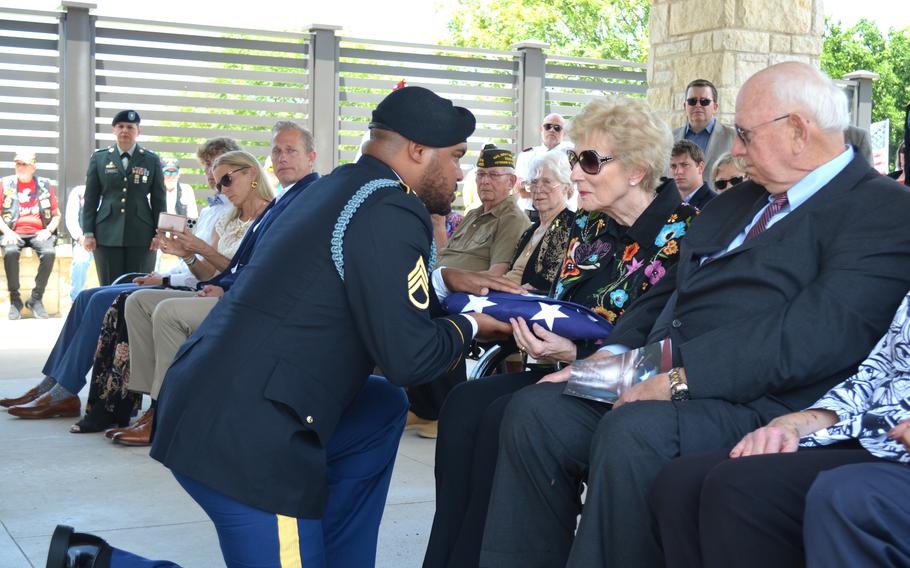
x,y
121,207
254,396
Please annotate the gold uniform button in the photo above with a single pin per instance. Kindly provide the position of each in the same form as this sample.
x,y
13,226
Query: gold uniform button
x,y
124,190
124,179
123,210
309,420
123,200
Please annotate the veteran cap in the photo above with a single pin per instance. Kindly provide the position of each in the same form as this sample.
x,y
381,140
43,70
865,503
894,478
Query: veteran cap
x,y
421,115
170,164
126,116
493,157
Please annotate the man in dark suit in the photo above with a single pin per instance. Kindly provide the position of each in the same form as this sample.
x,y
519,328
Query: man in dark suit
x,y
687,167
702,126
784,284
268,410
124,194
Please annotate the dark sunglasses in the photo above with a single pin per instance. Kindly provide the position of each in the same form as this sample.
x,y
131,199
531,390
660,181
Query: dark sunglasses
x,y
590,161
226,180
696,101
553,127
723,184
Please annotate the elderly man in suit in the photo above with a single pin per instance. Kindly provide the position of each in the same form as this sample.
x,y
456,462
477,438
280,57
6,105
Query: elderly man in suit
x,y
702,126
124,194
268,416
784,284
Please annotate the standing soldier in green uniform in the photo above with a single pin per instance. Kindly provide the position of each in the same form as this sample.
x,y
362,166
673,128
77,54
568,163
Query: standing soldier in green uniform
x,y
124,193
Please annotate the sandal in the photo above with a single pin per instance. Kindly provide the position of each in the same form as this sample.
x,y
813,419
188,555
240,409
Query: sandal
x,y
95,420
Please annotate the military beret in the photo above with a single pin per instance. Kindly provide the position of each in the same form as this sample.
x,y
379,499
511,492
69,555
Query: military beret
x,y
126,116
493,157
424,117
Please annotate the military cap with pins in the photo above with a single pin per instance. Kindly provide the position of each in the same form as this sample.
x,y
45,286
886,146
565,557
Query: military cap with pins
x,y
422,116
126,116
493,157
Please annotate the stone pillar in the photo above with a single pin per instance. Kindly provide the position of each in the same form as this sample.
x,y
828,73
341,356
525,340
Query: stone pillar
x,y
531,91
725,41
323,118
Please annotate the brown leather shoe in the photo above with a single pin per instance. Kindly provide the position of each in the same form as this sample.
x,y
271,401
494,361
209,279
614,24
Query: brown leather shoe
x,y
45,407
31,395
139,434
147,417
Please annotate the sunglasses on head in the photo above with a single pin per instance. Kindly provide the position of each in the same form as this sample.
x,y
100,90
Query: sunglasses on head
x,y
692,101
226,180
590,161
729,182
553,127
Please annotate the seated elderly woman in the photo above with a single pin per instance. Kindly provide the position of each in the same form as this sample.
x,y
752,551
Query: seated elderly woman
x,y
728,171
625,239
540,249
834,474
243,182
71,358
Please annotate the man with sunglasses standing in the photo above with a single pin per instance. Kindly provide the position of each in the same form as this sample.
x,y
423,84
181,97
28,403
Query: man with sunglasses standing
x,y
124,194
702,126
552,135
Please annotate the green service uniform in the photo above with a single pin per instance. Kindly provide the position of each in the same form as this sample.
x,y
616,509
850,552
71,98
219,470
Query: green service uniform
x,y
121,210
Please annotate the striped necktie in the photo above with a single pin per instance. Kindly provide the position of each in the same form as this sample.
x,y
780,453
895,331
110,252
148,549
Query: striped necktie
x,y
778,202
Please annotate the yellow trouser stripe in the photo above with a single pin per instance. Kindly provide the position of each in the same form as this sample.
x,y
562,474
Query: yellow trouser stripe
x,y
288,542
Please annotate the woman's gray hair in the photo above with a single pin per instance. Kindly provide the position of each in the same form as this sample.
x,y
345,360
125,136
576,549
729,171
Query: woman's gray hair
x,y
727,158
557,162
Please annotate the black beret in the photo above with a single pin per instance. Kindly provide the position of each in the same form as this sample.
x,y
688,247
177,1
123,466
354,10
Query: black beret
x,y
126,116
493,157
424,117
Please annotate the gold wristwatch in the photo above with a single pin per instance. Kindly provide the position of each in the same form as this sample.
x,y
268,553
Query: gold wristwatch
x,y
679,390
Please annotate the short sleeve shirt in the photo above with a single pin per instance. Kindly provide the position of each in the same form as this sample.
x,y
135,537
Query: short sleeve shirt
x,y
484,239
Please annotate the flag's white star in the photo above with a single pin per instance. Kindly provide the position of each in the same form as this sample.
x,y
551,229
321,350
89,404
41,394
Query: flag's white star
x,y
477,304
548,313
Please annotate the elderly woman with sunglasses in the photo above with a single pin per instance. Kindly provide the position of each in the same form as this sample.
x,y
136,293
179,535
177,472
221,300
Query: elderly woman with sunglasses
x,y
727,172
624,240
117,383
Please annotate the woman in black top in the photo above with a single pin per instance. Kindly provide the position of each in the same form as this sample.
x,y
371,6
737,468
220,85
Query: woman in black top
x,y
624,240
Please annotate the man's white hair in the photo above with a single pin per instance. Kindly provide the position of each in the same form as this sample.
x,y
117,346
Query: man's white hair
x,y
799,86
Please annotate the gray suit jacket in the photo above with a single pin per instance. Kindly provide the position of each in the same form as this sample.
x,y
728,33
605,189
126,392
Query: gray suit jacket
x,y
721,141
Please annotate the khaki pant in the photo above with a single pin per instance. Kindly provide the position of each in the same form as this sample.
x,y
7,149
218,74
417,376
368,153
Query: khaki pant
x,y
159,322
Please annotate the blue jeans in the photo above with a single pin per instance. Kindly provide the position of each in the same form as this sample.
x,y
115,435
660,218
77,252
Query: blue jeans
x,y
79,269
71,358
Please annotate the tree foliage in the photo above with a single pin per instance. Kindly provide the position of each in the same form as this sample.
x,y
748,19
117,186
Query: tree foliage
x,y
606,29
864,46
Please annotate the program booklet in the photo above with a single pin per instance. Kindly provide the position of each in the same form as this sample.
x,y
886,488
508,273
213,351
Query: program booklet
x,y
605,379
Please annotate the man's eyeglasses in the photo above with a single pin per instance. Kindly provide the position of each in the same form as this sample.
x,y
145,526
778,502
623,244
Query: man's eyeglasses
x,y
722,184
226,180
745,134
590,161
480,176
553,127
692,101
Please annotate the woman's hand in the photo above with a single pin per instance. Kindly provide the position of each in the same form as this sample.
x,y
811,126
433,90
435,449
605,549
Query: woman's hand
x,y
191,243
170,245
541,343
774,438
901,433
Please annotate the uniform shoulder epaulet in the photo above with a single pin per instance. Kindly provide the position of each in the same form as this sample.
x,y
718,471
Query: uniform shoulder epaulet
x,y
101,150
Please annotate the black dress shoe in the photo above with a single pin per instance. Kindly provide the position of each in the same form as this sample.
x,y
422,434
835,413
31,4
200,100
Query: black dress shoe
x,y
70,549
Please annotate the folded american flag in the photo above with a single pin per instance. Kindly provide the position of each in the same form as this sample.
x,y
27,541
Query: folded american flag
x,y
562,318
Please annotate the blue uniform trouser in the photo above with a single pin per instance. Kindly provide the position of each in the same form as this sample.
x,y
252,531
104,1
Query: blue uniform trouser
x,y
360,455
71,358
859,515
